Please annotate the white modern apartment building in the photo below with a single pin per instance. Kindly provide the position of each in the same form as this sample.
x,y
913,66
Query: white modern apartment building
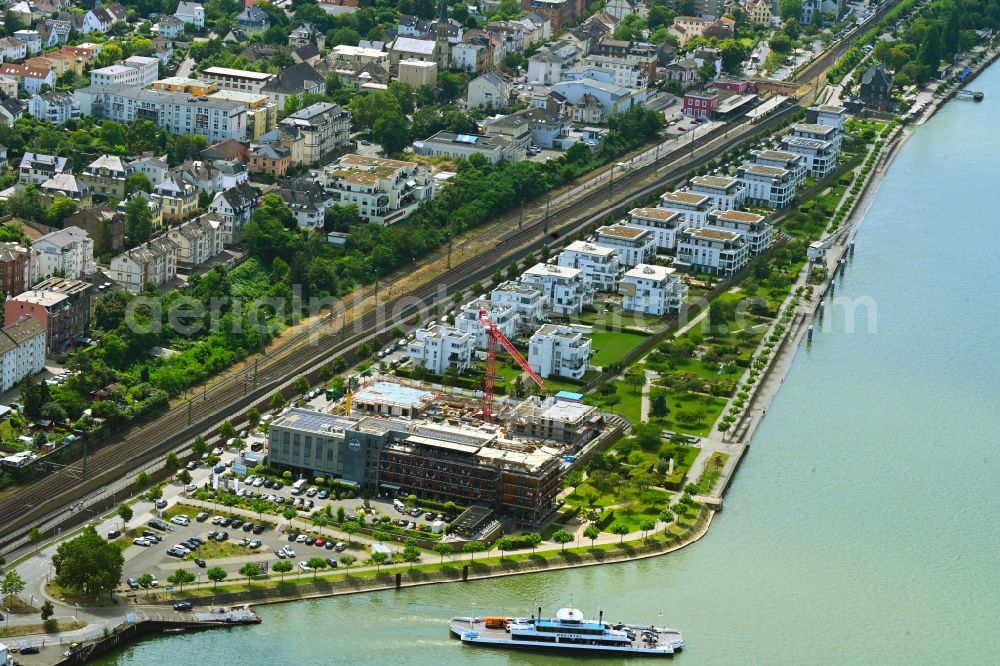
x,y
819,157
138,71
57,107
827,115
820,132
22,351
757,233
559,351
69,252
502,314
712,251
694,207
36,168
241,80
441,349
528,301
599,263
152,262
726,193
634,245
385,191
461,146
214,119
665,224
655,290
768,186
791,162
565,290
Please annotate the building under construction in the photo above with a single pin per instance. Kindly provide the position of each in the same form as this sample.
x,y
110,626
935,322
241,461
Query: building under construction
x,y
446,454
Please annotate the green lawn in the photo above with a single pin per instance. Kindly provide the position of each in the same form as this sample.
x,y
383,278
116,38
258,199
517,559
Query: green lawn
x,y
706,408
574,499
712,472
610,346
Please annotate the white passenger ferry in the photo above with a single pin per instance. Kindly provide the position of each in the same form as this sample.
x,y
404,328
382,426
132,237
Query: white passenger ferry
x,y
568,632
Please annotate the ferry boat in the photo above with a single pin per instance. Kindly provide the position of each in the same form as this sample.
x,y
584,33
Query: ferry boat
x,y
569,632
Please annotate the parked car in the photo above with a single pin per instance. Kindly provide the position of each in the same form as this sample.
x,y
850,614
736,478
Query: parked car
x,y
340,547
161,504
181,519
222,536
217,451
323,494
293,537
304,566
319,543
190,488
200,562
182,606
289,552
141,542
280,553
191,466
254,544
332,562
247,527
258,528
114,534
311,492
328,545
201,517
133,583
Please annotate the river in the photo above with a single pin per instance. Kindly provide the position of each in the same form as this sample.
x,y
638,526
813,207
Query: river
x,y
862,527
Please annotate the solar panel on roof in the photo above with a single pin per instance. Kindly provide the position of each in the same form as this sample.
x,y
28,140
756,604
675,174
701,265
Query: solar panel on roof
x,y
466,138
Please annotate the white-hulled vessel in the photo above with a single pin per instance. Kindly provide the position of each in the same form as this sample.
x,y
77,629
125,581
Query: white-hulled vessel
x,y
570,632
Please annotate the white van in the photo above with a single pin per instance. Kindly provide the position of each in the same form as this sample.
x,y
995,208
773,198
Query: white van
x,y
299,487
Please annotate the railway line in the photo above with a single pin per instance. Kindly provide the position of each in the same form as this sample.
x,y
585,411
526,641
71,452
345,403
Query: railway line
x,y
45,498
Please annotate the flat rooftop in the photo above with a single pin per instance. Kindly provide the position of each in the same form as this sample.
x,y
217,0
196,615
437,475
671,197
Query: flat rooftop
x,y
654,213
391,393
583,247
765,170
622,231
715,182
313,421
738,216
777,155
650,272
685,198
551,270
236,73
812,128
714,234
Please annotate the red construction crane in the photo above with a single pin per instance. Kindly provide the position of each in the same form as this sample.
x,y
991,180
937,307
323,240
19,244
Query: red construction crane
x,y
493,336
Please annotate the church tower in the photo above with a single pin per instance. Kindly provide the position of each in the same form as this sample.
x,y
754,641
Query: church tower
x,y
442,46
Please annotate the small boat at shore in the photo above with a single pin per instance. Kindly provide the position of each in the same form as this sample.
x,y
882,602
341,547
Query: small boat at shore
x,y
568,632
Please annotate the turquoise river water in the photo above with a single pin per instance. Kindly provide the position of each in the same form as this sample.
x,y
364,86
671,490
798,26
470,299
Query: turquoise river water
x,y
862,527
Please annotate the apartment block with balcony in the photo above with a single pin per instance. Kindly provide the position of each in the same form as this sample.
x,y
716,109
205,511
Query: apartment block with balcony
x,y
68,252
56,106
385,191
820,132
61,306
440,349
773,187
725,192
712,251
655,290
757,233
791,162
694,207
236,79
178,198
504,315
565,290
198,241
664,224
325,128
634,245
559,351
819,156
600,265
528,301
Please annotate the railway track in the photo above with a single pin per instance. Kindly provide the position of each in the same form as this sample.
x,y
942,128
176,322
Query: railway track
x,y
42,499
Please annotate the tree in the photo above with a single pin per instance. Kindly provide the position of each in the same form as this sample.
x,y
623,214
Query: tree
x,y
11,586
621,529
146,580
250,569
351,528
138,220
443,549
532,539
35,536
790,10
647,526
411,554
301,386
666,516
60,209
392,131
181,577
216,575
89,564
630,28
348,560
125,513
562,537
636,379
658,405
592,532
48,610
171,462
316,563
142,481
473,547
277,401
154,493
379,559
289,514
137,182
504,543
184,477
199,446
707,71
253,417
226,432
282,567
589,494
341,514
